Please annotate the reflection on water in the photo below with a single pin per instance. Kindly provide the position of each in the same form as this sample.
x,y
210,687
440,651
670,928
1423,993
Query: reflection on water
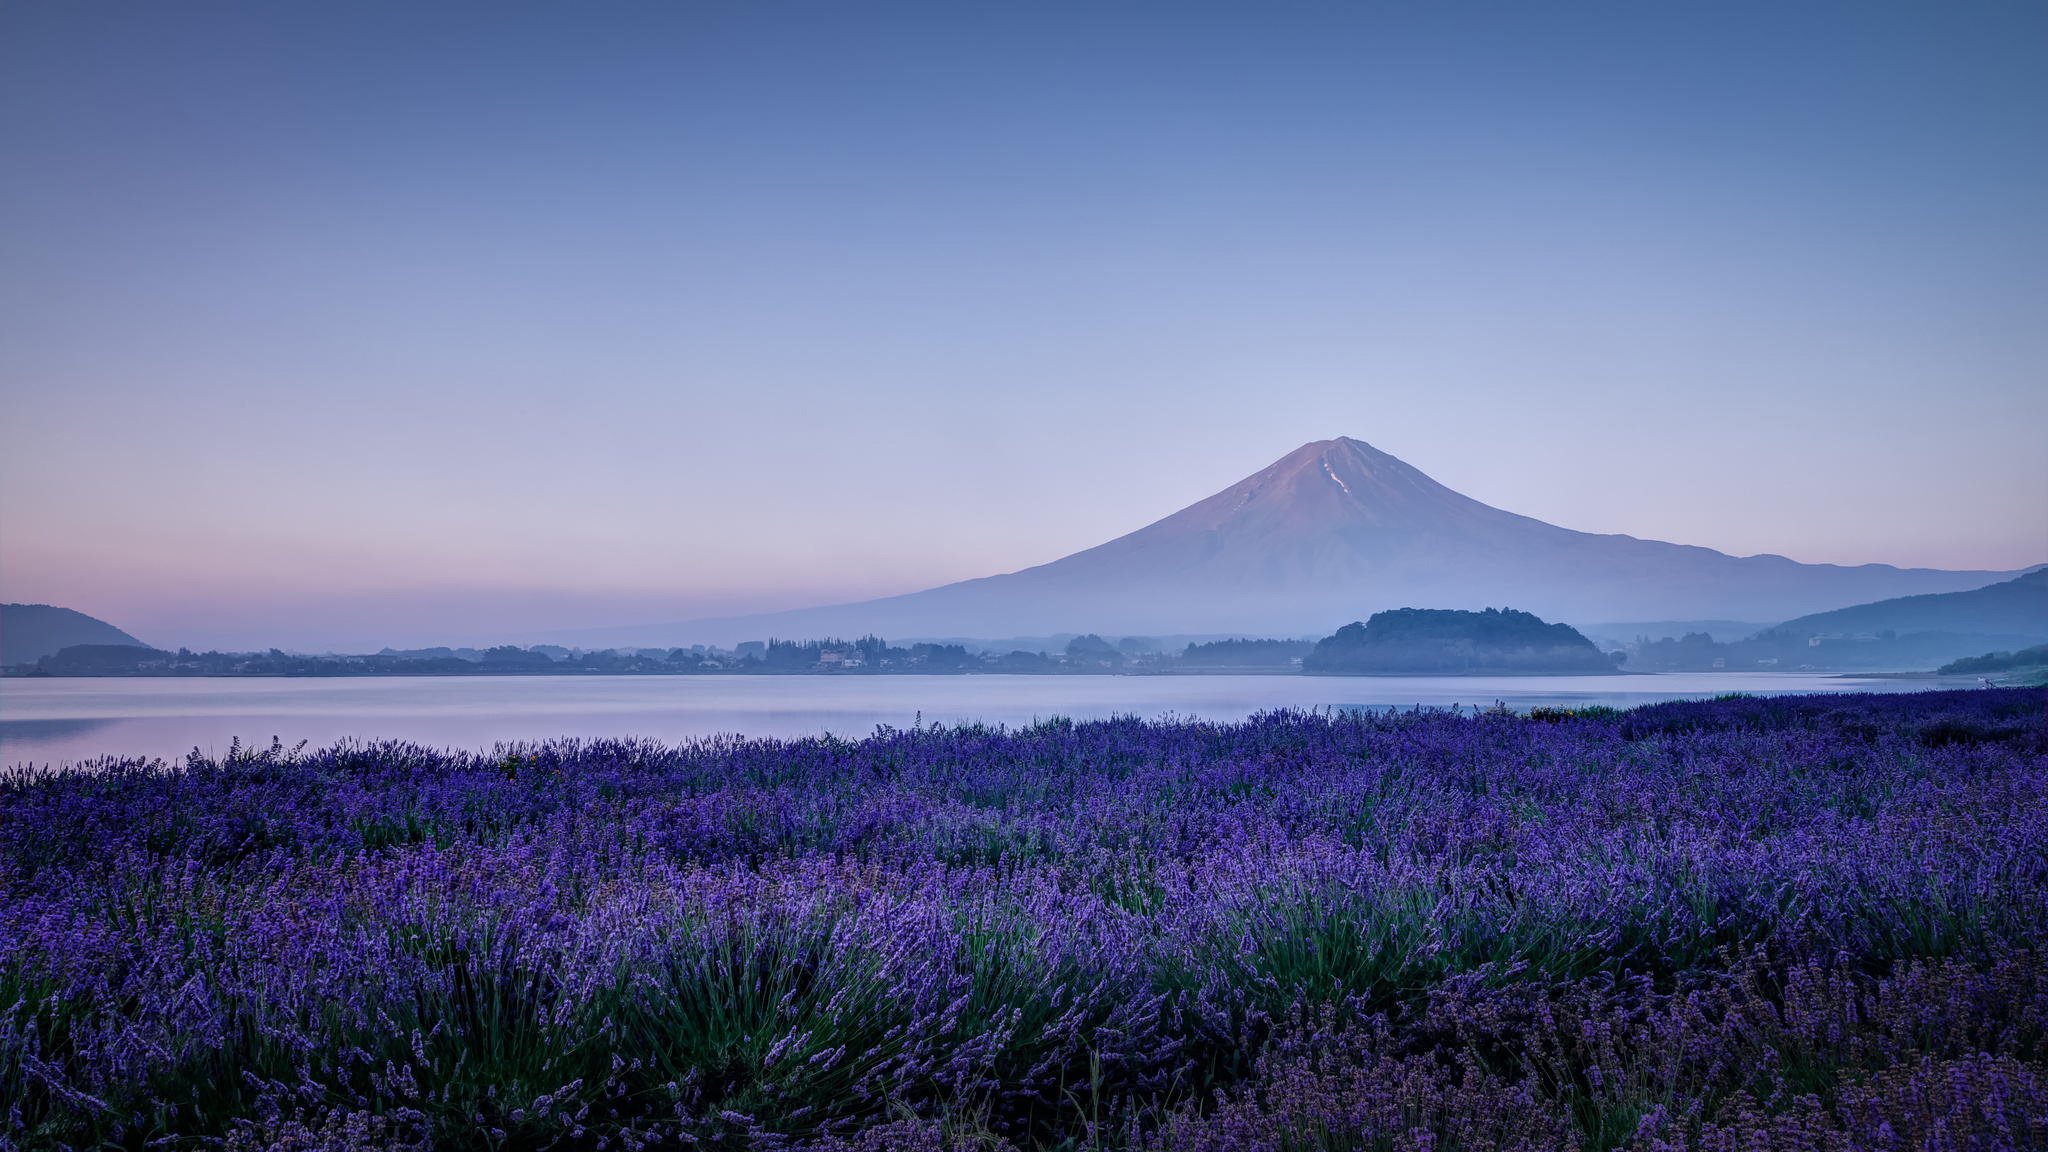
x,y
29,733
57,721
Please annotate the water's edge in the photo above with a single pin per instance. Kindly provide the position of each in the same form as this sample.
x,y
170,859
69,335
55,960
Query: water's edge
x,y
57,721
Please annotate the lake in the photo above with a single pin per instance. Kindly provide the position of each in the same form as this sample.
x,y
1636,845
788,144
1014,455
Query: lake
x,y
57,721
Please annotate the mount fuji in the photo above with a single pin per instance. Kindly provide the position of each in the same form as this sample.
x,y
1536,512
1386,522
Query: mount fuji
x,y
1330,533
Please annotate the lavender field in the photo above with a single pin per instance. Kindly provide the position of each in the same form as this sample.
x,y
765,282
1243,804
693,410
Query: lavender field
x,y
1798,922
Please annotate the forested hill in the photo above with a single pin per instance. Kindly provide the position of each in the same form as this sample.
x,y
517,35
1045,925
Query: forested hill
x,y
2017,607
1424,640
29,632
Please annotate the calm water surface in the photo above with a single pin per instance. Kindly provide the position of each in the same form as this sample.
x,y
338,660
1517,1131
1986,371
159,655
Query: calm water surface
x,y
68,720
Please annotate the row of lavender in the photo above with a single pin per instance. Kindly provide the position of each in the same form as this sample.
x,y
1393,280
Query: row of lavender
x,y
1811,922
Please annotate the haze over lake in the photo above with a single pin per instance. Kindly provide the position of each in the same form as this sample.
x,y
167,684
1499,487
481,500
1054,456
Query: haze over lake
x,y
68,720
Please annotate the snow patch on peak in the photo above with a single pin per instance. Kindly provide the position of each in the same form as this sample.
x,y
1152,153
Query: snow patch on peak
x,y
1327,471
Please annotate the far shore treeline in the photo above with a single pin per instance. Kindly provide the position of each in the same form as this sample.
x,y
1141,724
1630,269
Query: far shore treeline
x,y
1408,641
1991,632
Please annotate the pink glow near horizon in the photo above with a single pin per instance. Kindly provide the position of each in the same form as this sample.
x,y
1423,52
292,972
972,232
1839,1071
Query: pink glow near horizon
x,y
380,324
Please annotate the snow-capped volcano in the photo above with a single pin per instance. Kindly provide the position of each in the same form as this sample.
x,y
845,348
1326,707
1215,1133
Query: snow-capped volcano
x,y
1332,532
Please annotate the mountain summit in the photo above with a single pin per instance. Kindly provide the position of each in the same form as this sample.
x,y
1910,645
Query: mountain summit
x,y
1328,513
29,632
1333,532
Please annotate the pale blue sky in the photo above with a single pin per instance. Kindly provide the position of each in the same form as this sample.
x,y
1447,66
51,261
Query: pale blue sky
x,y
367,323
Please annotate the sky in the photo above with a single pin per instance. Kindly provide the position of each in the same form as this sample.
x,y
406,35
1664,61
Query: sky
x,y
343,325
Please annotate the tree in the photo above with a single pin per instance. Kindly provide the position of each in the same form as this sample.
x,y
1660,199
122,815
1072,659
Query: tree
x,y
1094,652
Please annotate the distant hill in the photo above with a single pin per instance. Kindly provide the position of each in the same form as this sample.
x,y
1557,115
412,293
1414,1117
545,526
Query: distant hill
x,y
2035,657
104,660
29,632
1901,634
1420,640
1333,529
2017,608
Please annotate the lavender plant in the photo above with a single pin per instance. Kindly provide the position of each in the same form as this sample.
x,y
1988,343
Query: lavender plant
x,y
1792,922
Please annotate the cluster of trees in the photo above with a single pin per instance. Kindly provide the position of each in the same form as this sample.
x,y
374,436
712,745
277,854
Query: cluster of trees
x,y
1248,654
1786,649
1438,641
1092,651
1693,652
1407,640
2035,657
137,660
870,653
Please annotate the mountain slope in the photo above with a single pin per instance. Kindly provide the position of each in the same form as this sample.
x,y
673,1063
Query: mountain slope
x,y
1332,532
2015,608
29,632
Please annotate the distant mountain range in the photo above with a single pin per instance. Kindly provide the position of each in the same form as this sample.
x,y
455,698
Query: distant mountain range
x,y
2015,609
29,632
1331,533
1900,634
